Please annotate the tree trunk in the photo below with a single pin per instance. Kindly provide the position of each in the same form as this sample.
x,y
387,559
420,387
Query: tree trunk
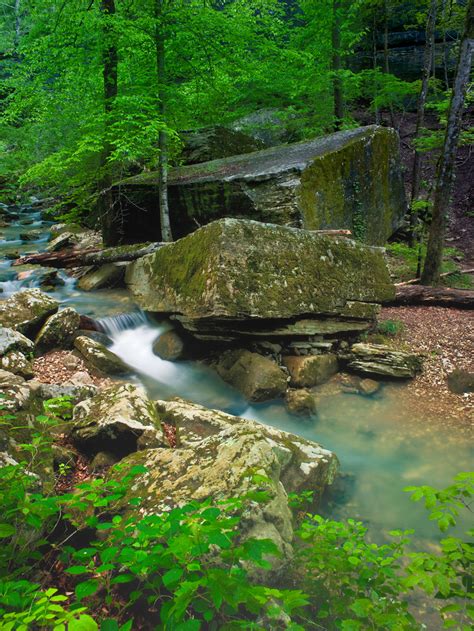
x,y
17,36
385,55
374,57
420,113
166,234
109,216
434,296
434,254
93,256
337,65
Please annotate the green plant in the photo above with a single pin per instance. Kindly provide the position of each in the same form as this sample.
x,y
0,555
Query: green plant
x,y
392,328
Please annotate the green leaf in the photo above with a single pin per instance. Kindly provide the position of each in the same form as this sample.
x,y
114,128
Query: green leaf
x,y
6,530
77,569
109,625
86,588
172,576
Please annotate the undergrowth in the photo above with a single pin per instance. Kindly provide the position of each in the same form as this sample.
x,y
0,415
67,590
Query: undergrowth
x,y
89,560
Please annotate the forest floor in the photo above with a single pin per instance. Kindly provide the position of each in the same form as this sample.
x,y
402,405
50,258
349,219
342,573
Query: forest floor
x,y
446,339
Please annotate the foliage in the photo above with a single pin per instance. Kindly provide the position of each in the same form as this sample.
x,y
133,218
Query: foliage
x,y
403,260
392,328
189,566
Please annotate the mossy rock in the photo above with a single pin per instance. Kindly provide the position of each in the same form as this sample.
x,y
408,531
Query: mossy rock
x,y
237,269
351,179
58,330
26,311
312,370
98,357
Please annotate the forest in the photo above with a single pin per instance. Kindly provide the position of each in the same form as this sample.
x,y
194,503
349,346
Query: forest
x,y
236,333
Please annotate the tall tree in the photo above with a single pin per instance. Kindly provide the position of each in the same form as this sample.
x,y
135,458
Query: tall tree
x,y
110,78
445,175
420,113
337,65
166,235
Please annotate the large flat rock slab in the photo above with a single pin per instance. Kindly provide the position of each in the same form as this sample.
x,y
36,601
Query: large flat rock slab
x,y
350,179
245,270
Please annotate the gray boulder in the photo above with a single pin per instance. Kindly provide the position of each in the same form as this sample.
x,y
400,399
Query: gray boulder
x,y
461,381
312,370
16,394
26,311
98,357
258,378
234,279
213,143
222,456
351,179
114,419
58,330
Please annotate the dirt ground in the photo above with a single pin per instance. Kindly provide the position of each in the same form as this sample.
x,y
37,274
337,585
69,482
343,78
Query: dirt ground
x,y
446,338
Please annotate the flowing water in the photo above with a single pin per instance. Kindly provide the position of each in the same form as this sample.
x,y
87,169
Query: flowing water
x,y
382,445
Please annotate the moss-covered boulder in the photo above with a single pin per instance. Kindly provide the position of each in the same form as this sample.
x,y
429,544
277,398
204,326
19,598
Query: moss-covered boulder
x,y
98,357
351,179
58,331
312,370
26,311
258,378
258,278
114,419
220,456
300,402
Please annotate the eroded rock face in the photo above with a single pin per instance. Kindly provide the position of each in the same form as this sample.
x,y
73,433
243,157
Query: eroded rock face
x,y
114,419
236,278
377,359
351,179
258,378
58,330
99,357
15,352
218,455
26,311
16,393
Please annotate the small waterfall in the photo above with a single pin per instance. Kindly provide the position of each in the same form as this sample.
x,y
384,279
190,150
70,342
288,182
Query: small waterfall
x,y
113,325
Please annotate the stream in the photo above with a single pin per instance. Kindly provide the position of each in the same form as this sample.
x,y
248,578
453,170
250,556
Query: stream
x,y
382,445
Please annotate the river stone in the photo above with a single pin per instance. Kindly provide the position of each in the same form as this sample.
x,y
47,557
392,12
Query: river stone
x,y
16,395
63,240
312,370
99,357
218,456
460,381
114,419
58,330
258,378
14,340
18,363
26,311
105,276
233,270
300,402
351,179
169,346
377,359
77,393
369,387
